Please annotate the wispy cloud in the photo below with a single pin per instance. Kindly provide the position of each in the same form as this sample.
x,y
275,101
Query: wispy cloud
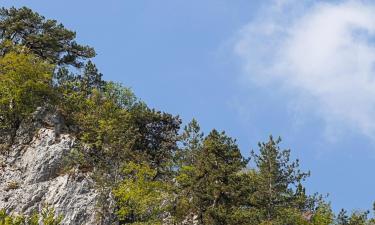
x,y
322,52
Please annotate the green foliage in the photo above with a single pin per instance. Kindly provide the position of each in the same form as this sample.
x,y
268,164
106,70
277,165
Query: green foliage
x,y
44,37
209,185
278,181
156,138
323,215
6,219
48,217
123,97
191,139
356,218
342,218
91,79
105,134
25,84
141,199
45,217
215,185
290,216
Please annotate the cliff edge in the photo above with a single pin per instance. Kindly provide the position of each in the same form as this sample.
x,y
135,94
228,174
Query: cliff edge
x,y
30,172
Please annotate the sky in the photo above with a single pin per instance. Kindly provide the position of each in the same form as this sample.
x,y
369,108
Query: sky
x,y
302,70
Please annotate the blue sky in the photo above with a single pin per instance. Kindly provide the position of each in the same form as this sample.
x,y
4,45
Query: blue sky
x,y
302,70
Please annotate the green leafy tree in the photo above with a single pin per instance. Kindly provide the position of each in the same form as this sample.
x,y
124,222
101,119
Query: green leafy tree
x,y
105,134
323,215
358,218
140,198
123,97
25,84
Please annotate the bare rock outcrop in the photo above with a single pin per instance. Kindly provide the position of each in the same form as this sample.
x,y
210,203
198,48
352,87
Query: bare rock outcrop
x,y
30,175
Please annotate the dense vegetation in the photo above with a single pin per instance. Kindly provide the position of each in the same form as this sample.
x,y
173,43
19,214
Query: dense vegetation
x,y
156,172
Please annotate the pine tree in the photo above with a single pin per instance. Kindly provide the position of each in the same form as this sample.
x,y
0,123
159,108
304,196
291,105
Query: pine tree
x,y
213,179
278,181
342,218
192,141
91,79
44,37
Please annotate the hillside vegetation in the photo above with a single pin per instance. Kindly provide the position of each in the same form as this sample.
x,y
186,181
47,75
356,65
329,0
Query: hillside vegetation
x,y
157,171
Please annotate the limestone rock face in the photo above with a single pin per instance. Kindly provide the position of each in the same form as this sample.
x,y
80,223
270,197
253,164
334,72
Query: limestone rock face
x,y
30,175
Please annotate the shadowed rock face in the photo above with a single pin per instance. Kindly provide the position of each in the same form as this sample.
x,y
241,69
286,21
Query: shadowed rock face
x,y
29,173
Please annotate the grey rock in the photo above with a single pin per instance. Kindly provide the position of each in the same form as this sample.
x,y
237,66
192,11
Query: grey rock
x,y
30,175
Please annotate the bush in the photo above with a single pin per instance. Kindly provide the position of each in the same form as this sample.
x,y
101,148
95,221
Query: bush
x,y
45,217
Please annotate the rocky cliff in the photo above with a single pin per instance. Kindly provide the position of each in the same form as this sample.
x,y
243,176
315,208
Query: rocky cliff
x,y
30,172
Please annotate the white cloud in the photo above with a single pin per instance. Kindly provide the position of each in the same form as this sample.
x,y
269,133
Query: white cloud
x,y
322,52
